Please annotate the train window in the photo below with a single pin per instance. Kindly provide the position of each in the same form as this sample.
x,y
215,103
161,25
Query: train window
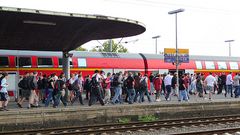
x,y
24,62
233,65
4,62
209,65
45,62
82,62
60,62
198,64
222,65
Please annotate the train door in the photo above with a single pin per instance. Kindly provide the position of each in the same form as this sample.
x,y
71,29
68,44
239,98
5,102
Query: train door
x,y
12,80
180,72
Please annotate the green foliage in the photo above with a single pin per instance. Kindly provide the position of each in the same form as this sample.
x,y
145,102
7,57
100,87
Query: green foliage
x,y
80,49
106,47
124,120
147,118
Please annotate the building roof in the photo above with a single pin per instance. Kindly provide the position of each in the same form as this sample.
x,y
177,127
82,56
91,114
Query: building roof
x,y
30,29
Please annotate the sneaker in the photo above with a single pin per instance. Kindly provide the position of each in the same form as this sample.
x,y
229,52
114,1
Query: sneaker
x,y
1,109
210,99
33,105
5,109
19,105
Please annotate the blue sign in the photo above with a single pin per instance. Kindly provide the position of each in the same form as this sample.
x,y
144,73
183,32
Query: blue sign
x,y
170,55
171,58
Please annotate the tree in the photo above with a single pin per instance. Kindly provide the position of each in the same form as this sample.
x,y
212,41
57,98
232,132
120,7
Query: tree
x,y
105,47
80,49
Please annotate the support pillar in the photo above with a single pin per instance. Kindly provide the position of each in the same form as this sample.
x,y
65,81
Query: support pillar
x,y
66,64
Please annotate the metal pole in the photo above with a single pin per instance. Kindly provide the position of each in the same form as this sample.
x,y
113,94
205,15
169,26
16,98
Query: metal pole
x,y
177,88
156,45
229,45
229,49
110,45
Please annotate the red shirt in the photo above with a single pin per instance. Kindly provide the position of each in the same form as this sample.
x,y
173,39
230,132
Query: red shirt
x,y
157,83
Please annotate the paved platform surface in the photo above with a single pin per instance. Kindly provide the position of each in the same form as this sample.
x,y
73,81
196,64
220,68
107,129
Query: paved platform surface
x,y
193,99
75,115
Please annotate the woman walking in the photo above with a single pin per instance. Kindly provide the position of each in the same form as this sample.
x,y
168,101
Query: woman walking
x,y
3,92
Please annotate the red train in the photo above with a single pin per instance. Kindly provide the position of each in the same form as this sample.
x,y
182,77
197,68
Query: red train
x,y
16,62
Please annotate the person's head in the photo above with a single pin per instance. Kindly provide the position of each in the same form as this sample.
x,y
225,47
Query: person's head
x,y
210,73
175,74
108,74
4,75
139,74
120,72
130,73
60,76
102,72
35,73
96,71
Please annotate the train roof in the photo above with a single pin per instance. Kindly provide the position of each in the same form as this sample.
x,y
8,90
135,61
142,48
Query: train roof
x,y
85,54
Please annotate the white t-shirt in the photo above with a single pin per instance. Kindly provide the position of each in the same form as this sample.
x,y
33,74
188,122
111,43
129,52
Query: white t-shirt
x,y
210,80
229,79
168,80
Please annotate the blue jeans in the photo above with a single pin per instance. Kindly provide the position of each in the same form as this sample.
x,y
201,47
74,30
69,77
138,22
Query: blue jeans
x,y
183,95
237,91
229,90
117,95
168,92
49,97
131,95
142,93
57,97
137,93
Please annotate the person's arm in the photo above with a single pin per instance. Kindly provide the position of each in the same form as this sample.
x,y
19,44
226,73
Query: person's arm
x,y
4,83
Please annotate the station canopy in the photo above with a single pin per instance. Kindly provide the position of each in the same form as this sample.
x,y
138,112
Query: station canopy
x,y
30,29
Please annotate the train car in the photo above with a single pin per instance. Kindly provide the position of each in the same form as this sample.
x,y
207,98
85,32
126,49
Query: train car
x,y
18,62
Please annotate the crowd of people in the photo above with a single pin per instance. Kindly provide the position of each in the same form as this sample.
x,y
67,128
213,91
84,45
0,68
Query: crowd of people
x,y
115,88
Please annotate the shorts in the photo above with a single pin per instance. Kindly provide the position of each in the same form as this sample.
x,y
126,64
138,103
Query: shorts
x,y
3,96
26,93
210,88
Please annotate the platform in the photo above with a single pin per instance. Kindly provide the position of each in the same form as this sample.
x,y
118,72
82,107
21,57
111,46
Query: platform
x,y
20,119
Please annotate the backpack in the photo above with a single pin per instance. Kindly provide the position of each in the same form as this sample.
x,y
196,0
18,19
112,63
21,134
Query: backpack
x,y
104,84
23,83
57,86
115,81
75,85
137,82
129,82
143,83
69,85
40,84
30,83
0,83
94,81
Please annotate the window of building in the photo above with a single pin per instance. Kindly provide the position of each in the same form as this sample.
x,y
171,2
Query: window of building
x,y
222,65
233,65
209,65
198,64
4,62
60,62
24,62
45,62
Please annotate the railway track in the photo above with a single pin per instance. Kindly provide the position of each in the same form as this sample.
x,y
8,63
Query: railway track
x,y
135,126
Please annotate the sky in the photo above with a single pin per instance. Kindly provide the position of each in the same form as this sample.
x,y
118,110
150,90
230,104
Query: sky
x,y
202,27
